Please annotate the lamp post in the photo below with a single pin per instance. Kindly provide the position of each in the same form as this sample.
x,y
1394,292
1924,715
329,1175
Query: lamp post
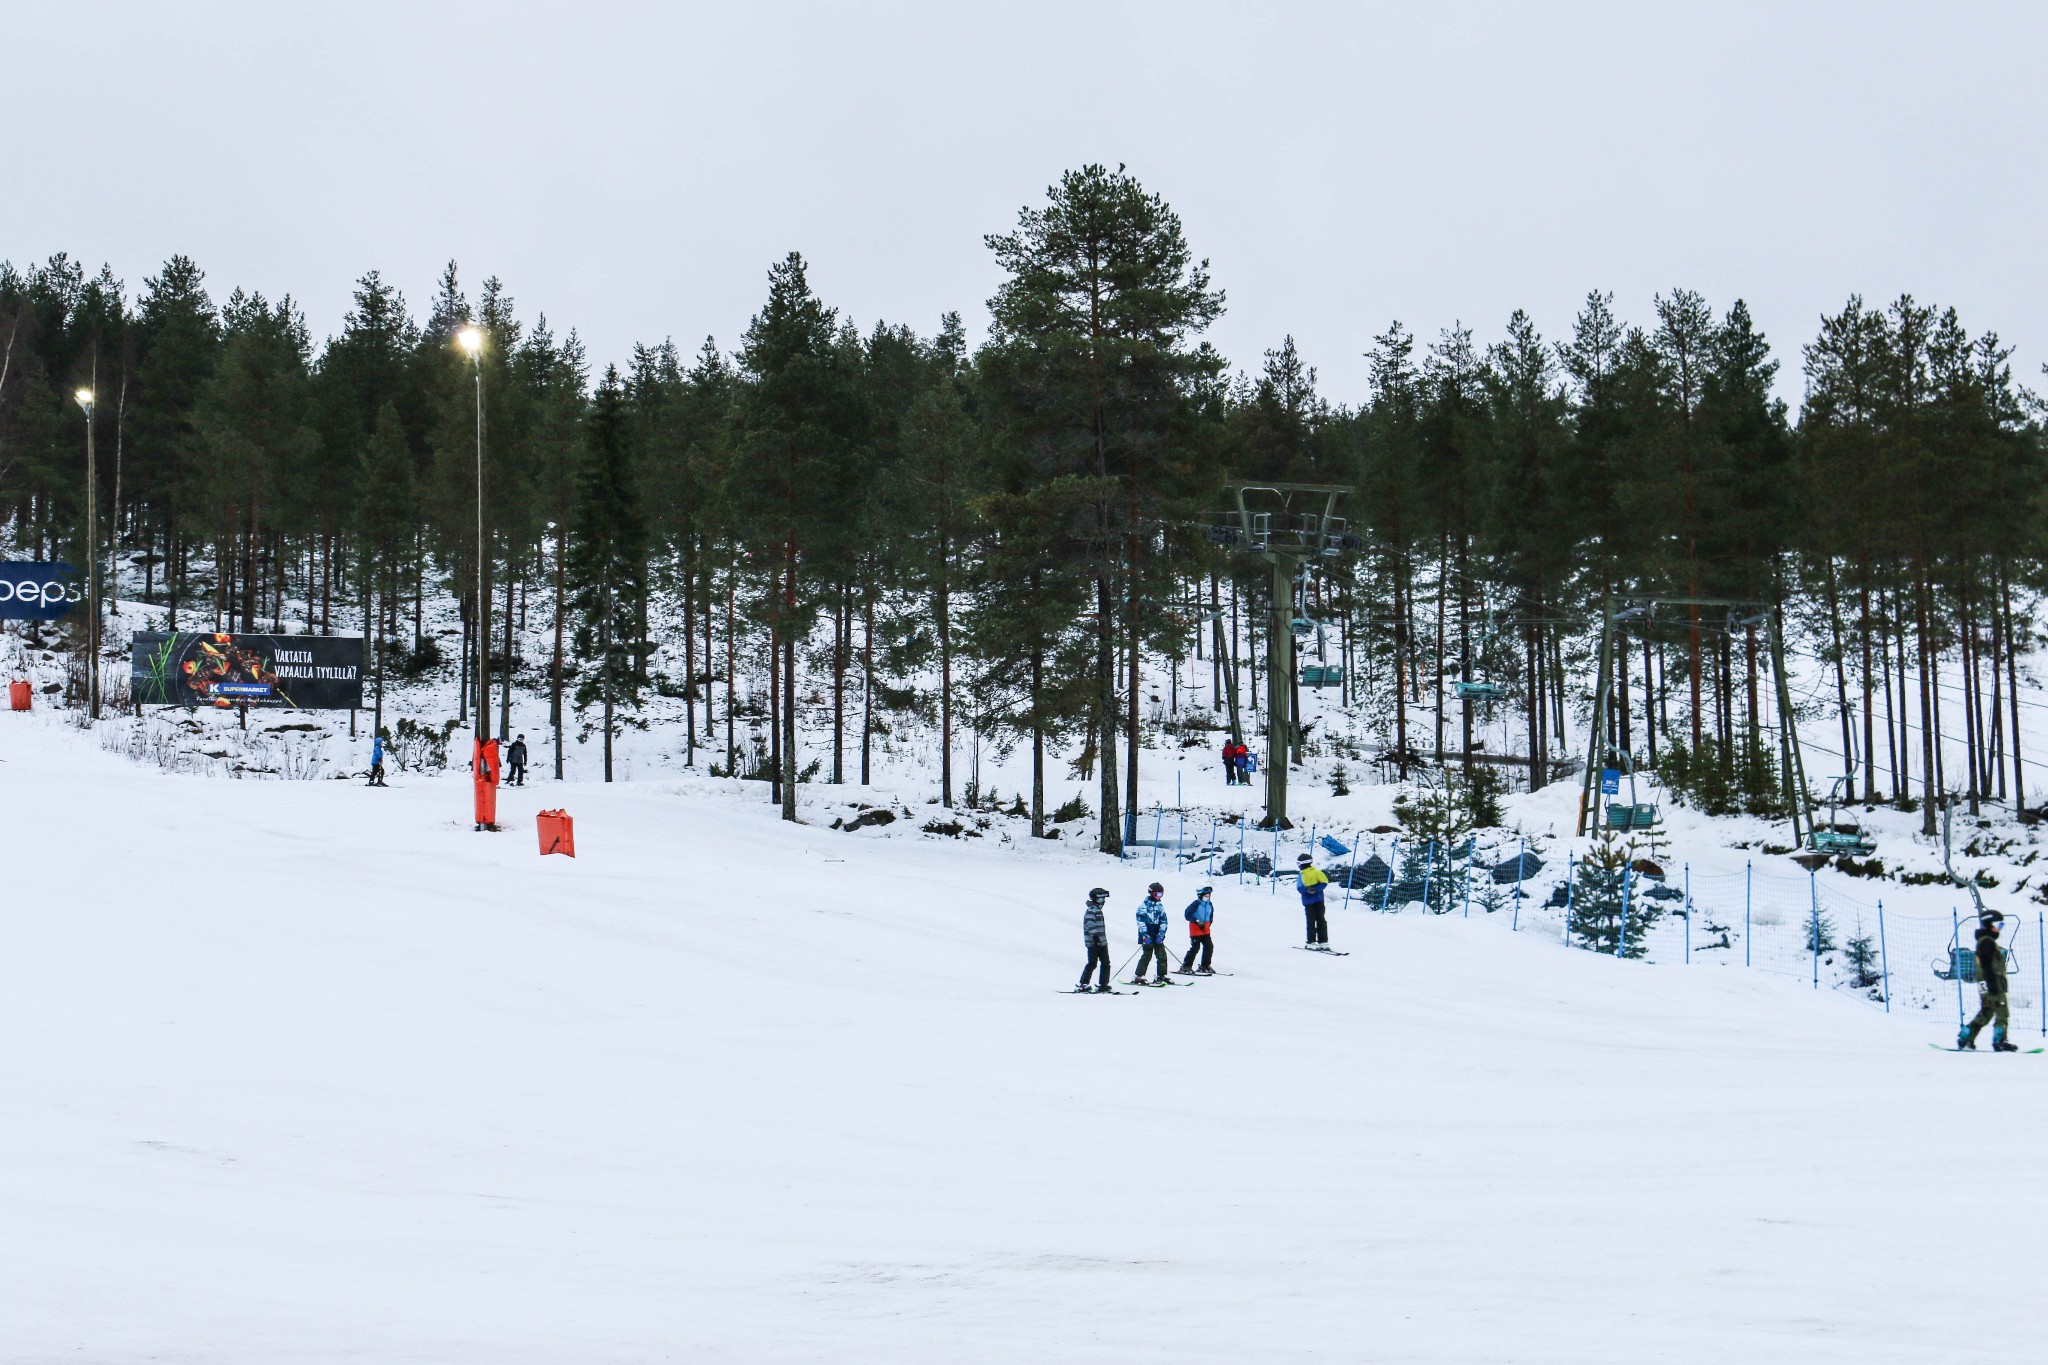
x,y
92,561
471,339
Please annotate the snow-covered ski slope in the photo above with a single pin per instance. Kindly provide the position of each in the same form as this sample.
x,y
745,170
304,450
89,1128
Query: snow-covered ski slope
x,y
301,1072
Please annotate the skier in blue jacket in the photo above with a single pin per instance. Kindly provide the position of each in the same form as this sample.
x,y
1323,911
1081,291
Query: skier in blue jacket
x,y
377,760
1095,937
1200,914
1152,932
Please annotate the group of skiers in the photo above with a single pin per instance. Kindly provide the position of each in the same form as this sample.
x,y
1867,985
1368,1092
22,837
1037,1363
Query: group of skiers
x,y
515,762
1200,916
1237,764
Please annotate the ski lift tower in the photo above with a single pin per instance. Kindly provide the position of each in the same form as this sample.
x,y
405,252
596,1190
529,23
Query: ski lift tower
x,y
1288,526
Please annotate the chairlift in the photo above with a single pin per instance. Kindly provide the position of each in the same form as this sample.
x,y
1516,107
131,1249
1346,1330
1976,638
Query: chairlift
x,y
1962,963
1477,691
1322,675
1846,839
1624,816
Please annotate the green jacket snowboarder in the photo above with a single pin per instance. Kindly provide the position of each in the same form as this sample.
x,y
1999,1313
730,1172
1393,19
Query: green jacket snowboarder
x,y
1991,986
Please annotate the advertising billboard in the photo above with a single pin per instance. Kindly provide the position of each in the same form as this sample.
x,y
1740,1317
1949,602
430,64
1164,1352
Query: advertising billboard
x,y
38,591
219,668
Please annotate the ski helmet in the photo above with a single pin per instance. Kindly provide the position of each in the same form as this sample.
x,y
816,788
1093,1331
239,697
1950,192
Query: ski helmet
x,y
1205,891
1993,918
1303,861
1156,888
1097,896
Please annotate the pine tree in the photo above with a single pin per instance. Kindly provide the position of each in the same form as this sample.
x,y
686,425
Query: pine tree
x,y
1091,363
384,522
1606,902
607,564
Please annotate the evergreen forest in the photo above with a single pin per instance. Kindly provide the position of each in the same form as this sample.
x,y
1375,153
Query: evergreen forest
x,y
1005,538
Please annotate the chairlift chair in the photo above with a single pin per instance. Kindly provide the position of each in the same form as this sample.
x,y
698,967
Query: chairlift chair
x,y
1621,815
1962,964
1477,691
1836,837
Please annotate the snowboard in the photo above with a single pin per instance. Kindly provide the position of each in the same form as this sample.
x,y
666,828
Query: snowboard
x,y
1951,1047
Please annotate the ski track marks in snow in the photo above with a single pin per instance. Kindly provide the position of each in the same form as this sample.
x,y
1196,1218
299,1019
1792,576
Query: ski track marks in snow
x,y
299,1073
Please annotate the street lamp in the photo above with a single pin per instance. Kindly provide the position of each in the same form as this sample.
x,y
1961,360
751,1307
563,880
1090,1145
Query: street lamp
x,y
471,340
92,561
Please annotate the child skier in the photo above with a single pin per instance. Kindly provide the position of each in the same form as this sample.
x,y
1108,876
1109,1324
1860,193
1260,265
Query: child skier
x,y
1310,880
377,760
1152,933
1199,915
515,762
1991,986
1095,935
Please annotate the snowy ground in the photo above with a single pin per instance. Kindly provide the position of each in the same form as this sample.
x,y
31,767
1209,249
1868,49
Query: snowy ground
x,y
303,1072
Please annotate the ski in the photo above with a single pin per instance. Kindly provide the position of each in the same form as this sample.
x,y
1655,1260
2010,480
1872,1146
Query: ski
x,y
1151,984
1090,990
1178,972
1950,1047
1326,952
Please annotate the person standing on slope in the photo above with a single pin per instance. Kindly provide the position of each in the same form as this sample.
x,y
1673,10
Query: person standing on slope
x,y
1230,763
1991,986
1152,933
1311,881
377,760
1199,915
1095,935
515,762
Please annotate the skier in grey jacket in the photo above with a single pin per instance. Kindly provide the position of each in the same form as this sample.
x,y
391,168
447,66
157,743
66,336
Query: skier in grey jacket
x,y
1095,934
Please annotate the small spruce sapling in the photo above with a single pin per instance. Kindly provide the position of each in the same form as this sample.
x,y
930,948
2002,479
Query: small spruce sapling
x,y
1862,955
1605,905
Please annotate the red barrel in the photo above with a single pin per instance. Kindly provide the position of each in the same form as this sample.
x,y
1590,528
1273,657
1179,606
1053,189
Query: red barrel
x,y
557,832
20,695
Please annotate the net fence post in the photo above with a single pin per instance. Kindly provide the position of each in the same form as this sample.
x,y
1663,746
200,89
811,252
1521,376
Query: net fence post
x,y
1813,928
1628,881
1521,847
1955,939
1387,891
1428,874
2041,956
1748,880
1688,914
1571,890
1351,877
1884,959
1471,857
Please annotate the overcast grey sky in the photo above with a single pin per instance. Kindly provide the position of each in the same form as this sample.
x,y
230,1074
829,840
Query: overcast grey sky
x,y
632,170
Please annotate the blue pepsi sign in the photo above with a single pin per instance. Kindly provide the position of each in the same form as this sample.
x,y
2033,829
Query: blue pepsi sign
x,y
39,591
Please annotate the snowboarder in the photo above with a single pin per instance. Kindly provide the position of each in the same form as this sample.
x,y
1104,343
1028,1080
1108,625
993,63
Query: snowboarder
x,y
1311,880
377,760
1095,936
1152,932
1991,986
515,762
1200,914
